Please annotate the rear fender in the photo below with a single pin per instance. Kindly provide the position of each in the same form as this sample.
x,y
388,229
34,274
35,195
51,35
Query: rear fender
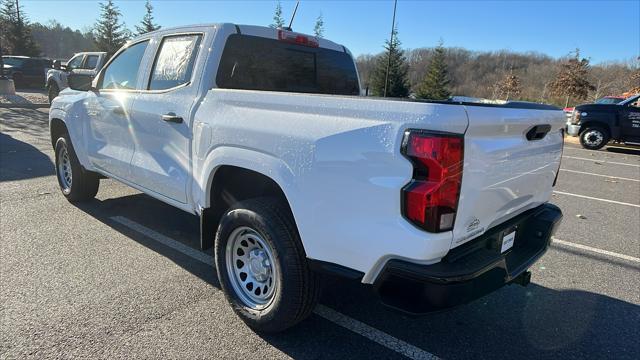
x,y
250,159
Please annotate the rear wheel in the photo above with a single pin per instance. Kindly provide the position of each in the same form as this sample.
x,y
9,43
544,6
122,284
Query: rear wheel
x,y
18,80
53,91
262,266
75,183
594,138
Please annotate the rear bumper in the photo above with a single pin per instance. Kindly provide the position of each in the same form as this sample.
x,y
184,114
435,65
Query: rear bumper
x,y
573,130
472,270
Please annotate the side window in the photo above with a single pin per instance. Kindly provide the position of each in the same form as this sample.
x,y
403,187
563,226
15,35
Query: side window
x,y
90,62
122,72
74,63
174,62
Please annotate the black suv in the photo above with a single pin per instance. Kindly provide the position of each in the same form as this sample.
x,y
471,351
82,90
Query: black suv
x,y
597,124
26,71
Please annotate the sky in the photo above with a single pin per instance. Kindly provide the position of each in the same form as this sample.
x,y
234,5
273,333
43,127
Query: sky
x,y
603,30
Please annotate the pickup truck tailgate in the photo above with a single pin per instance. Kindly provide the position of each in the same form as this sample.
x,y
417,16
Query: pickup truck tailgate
x,y
505,173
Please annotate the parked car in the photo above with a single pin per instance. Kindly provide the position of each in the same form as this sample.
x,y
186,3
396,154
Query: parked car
x,y
603,100
599,123
85,63
26,71
610,100
260,133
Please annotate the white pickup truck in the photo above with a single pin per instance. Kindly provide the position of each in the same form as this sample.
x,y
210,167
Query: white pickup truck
x,y
84,63
260,133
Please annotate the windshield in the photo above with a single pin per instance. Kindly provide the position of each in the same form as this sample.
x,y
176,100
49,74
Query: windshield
x,y
630,100
609,100
12,61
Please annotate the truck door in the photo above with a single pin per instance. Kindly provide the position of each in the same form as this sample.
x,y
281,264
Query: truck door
x,y
161,117
109,138
630,122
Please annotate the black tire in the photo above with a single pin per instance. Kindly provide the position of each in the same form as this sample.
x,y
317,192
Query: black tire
x,y
18,80
84,184
52,91
594,138
296,288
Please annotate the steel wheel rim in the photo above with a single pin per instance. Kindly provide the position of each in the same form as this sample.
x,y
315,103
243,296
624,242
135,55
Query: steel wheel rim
x,y
251,268
65,173
593,138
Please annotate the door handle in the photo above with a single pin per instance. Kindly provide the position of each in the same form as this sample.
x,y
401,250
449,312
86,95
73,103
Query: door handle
x,y
172,117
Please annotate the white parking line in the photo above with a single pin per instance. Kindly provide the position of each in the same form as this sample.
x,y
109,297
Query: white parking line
x,y
360,328
606,176
600,160
598,199
596,250
373,334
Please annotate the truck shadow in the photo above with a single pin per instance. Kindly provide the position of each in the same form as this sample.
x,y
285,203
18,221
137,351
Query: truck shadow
x,y
514,322
20,160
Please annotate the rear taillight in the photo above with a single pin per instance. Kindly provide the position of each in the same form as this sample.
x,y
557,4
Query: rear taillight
x,y
299,39
430,200
575,117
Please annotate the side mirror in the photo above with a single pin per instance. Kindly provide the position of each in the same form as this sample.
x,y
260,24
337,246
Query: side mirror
x,y
56,64
80,82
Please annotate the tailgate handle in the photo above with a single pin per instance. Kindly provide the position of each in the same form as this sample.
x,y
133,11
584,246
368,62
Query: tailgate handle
x,y
538,132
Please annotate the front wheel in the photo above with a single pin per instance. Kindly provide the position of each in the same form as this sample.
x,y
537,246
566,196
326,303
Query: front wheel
x,y
75,183
262,266
594,138
53,91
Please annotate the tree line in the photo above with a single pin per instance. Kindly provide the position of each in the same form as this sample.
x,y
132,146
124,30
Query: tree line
x,y
437,73
21,37
424,73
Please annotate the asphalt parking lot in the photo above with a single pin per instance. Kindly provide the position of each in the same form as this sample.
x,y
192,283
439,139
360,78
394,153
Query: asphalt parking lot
x,y
119,277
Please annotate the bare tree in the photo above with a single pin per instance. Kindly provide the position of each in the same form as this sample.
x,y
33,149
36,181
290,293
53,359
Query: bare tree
x,y
572,79
509,85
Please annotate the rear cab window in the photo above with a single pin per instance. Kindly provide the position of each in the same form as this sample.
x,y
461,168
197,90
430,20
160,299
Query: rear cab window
x,y
91,62
174,62
257,63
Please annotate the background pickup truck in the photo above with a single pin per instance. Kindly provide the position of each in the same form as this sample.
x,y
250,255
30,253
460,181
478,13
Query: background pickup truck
x,y
85,63
259,132
598,123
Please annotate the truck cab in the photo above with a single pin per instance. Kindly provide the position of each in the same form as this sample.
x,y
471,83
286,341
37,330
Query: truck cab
x,y
597,124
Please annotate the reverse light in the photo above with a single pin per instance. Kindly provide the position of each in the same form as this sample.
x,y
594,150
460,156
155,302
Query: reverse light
x,y
298,39
430,200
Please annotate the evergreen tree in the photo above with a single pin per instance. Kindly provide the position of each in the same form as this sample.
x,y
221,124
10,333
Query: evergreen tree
x,y
278,20
434,86
110,33
318,29
509,85
16,35
572,79
397,83
147,25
